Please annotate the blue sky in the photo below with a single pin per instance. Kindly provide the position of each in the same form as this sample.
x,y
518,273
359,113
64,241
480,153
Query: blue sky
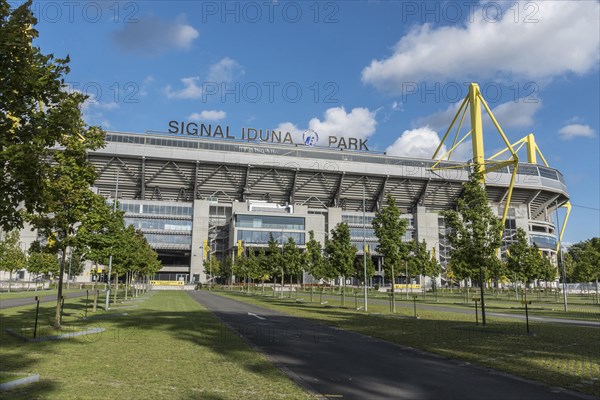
x,y
390,72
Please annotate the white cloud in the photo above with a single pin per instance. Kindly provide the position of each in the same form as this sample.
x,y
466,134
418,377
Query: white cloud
x,y
358,123
565,39
208,115
153,36
422,142
576,130
226,70
416,143
190,90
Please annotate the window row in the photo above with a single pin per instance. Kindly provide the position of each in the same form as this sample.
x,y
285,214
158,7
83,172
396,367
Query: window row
x,y
359,232
261,237
138,208
160,223
269,221
168,239
547,242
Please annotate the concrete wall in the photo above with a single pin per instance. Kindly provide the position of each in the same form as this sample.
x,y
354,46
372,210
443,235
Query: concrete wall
x,y
199,235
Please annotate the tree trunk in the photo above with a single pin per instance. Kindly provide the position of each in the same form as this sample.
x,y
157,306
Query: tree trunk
x,y
393,291
58,311
482,299
9,279
281,284
95,298
126,284
116,288
343,291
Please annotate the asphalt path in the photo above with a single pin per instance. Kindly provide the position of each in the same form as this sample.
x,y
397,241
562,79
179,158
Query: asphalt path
x,y
461,310
335,363
24,301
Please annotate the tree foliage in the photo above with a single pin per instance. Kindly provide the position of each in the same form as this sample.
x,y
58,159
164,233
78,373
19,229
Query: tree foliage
x,y
475,232
390,229
586,256
12,257
523,259
292,258
42,263
359,267
313,257
37,114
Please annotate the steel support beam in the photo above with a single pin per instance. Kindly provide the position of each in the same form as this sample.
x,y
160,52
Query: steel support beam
x,y
338,192
143,179
292,192
380,195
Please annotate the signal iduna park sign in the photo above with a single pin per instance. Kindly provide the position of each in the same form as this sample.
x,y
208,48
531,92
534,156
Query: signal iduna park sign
x,y
309,137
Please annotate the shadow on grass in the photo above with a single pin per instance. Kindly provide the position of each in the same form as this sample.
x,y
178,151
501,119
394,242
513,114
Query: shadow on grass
x,y
194,325
569,354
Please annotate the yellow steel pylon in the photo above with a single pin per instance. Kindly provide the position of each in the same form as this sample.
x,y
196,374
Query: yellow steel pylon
x,y
474,100
532,152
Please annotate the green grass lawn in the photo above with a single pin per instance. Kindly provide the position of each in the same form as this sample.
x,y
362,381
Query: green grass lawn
x,y
46,294
167,347
579,308
558,355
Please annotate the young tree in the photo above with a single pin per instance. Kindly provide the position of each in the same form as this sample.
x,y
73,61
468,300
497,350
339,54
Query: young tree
x,y
569,266
212,267
432,269
274,261
419,257
586,255
42,263
475,232
359,268
313,257
226,269
262,268
12,257
341,253
523,259
390,229
547,271
292,259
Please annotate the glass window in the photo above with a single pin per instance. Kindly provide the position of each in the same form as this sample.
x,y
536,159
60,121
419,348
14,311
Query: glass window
x,y
269,221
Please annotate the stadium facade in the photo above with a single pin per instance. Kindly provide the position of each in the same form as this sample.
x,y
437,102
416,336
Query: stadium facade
x,y
184,189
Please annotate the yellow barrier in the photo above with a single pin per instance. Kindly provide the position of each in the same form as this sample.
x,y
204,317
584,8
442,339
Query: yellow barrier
x,y
167,283
410,286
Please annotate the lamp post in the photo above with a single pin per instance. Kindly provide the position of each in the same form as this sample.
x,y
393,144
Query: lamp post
x,y
281,294
110,258
365,252
564,274
69,275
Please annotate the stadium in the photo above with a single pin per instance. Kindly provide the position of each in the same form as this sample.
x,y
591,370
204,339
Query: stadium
x,y
196,190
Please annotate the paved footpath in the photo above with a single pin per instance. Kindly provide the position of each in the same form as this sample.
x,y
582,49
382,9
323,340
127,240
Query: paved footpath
x,y
341,364
24,301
